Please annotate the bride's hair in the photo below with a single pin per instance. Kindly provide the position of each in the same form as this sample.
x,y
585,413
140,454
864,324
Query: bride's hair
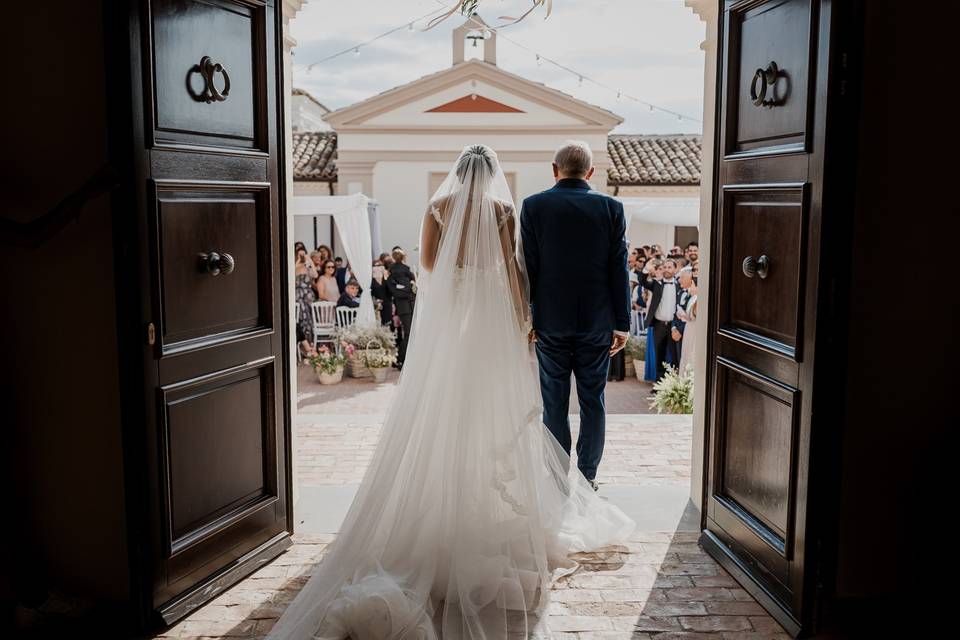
x,y
478,159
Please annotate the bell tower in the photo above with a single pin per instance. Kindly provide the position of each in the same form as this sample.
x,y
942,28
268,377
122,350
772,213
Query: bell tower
x,y
474,33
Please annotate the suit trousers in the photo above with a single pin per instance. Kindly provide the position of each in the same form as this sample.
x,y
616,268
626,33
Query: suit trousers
x,y
406,322
663,346
587,357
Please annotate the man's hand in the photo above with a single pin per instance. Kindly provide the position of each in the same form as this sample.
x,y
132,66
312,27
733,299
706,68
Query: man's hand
x,y
617,344
532,336
675,334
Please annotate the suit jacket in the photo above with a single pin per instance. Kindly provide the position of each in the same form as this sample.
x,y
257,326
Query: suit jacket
x,y
382,293
574,245
656,294
400,286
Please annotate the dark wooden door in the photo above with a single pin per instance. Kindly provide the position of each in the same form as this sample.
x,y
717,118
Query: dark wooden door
x,y
206,136
775,85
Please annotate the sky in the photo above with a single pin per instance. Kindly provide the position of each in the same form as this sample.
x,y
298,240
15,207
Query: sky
x,y
649,49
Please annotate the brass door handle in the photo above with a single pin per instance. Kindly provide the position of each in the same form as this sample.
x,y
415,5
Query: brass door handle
x,y
216,263
759,266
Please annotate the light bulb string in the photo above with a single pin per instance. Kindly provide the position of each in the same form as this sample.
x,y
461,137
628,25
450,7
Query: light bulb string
x,y
356,48
540,58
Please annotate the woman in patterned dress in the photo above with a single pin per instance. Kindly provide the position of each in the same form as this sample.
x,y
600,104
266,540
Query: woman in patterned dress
x,y
306,273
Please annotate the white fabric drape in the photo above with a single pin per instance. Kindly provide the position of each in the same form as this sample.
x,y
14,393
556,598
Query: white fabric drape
x,y
680,212
353,224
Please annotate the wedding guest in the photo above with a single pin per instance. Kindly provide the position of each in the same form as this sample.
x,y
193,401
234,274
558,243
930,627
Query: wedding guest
x,y
652,269
351,295
678,331
342,274
693,251
402,287
317,258
326,285
661,312
688,350
380,293
298,246
676,250
326,253
304,274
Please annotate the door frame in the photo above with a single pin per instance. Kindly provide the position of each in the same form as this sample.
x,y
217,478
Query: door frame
x,y
121,27
830,313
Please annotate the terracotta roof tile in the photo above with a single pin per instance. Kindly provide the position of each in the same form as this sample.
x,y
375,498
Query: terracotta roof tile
x,y
315,156
654,159
637,159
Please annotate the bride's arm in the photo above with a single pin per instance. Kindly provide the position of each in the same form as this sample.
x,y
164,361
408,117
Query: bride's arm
x,y
429,239
508,242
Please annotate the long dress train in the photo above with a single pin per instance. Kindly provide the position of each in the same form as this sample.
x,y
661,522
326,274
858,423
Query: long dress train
x,y
469,508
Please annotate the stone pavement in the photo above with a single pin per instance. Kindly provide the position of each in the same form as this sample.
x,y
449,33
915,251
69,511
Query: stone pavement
x,y
660,586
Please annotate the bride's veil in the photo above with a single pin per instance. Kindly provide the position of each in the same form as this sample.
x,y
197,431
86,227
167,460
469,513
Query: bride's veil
x,y
466,511
470,231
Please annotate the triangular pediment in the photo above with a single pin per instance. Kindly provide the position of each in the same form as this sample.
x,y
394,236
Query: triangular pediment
x,y
495,98
474,103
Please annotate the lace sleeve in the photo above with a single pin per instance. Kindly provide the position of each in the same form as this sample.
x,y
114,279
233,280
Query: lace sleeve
x,y
504,213
435,212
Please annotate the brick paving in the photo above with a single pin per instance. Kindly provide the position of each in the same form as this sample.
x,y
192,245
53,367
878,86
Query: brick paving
x,y
660,586
359,396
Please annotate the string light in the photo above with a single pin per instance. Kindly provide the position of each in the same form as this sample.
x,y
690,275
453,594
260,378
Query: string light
x,y
539,59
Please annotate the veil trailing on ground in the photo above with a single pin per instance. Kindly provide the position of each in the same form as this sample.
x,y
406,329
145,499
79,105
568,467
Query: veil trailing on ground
x,y
469,509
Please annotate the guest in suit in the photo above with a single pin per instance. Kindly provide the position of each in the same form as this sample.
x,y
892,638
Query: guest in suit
x,y
678,331
402,287
351,295
380,293
341,274
653,268
581,316
689,316
664,296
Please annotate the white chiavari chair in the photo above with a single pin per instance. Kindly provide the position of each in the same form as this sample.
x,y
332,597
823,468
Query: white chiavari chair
x,y
324,323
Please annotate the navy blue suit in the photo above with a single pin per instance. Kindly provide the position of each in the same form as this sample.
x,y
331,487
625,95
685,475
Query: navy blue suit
x,y
574,244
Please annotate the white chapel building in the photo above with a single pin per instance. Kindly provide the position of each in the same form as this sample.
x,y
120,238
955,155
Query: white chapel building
x,y
397,146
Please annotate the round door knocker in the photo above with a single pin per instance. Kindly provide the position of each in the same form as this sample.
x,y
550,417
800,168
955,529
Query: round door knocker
x,y
216,263
763,78
759,266
208,70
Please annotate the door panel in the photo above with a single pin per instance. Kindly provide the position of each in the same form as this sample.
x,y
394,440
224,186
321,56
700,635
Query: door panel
x,y
761,32
184,33
233,220
767,307
215,366
762,318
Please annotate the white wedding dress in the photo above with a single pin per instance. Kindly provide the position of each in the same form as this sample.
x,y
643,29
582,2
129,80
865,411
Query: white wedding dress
x,y
469,509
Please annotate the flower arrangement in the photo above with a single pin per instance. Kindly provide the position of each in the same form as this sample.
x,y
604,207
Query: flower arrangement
x,y
674,392
329,362
378,359
359,336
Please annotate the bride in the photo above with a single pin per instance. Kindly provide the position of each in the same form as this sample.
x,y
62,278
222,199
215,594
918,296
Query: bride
x,y
469,510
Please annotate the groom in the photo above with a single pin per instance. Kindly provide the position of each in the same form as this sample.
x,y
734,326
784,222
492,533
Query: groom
x,y
574,244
